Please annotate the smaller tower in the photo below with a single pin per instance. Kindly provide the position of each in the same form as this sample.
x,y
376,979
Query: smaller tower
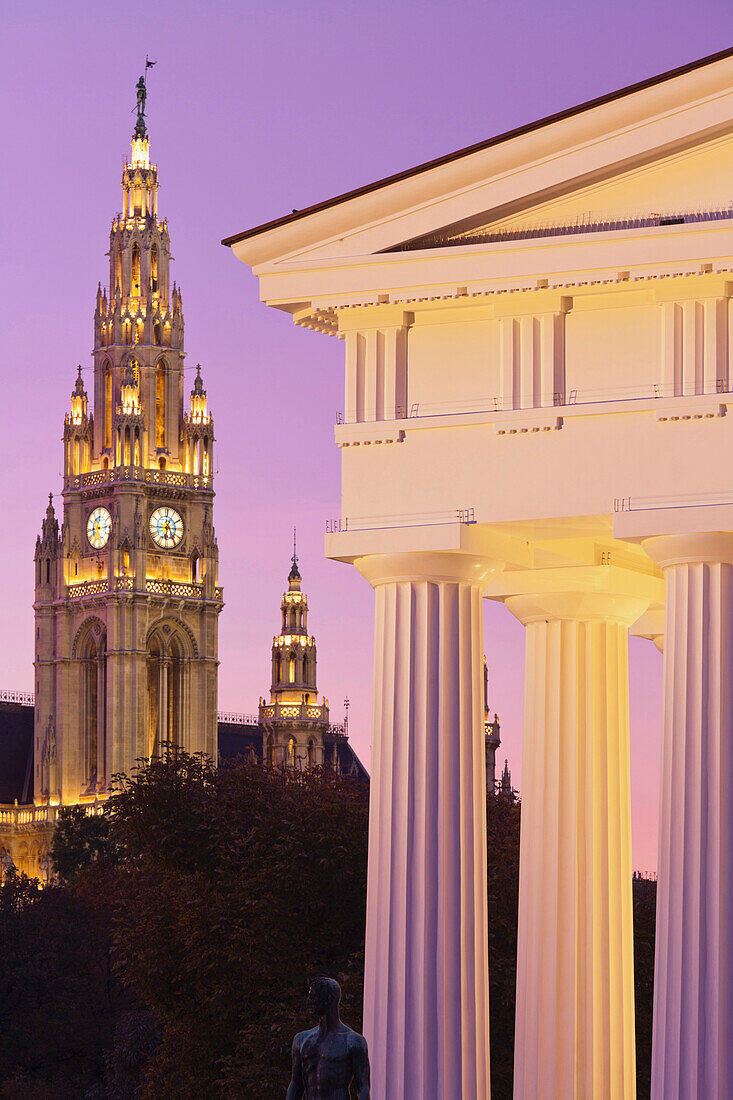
x,y
295,726
505,785
492,740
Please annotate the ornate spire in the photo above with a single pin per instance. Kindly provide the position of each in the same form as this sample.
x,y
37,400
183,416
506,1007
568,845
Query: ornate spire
x,y
294,575
79,385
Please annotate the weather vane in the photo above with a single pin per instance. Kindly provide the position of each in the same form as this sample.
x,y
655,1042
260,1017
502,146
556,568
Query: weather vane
x,y
295,556
142,95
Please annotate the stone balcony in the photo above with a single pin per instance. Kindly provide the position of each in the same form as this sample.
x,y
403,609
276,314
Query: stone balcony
x,y
119,474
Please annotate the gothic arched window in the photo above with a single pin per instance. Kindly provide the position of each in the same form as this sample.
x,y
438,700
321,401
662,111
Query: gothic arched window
x,y
135,271
107,404
160,372
168,686
154,270
92,705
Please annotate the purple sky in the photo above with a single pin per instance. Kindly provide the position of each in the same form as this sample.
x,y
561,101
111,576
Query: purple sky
x,y
254,110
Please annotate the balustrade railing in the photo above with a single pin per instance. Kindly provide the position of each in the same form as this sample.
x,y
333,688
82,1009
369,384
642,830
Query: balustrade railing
x,y
116,474
14,816
233,718
178,589
677,500
298,712
414,519
24,698
175,588
569,395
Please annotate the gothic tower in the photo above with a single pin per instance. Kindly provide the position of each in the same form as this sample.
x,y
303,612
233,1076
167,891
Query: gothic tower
x,y
127,597
296,729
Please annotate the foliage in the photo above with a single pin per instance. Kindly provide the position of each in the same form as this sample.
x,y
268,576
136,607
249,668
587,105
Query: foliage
x,y
79,840
237,886
56,991
502,840
645,908
173,958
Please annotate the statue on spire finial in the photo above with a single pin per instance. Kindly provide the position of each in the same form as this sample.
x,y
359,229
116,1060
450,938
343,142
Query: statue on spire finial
x,y
142,95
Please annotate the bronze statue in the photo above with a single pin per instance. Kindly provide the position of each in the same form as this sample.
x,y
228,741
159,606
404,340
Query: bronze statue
x,y
330,1056
142,95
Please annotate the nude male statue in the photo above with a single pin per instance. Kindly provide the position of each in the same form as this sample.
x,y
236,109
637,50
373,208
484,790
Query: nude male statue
x,y
330,1056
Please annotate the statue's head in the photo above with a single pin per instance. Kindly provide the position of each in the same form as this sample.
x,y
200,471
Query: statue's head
x,y
323,994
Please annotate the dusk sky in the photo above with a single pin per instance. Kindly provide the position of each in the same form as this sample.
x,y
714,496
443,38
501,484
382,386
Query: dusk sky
x,y
254,110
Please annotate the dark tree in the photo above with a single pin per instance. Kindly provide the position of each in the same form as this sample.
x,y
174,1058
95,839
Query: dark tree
x,y
78,841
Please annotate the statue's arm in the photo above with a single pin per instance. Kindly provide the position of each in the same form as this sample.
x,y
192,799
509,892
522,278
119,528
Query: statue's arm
x,y
295,1088
360,1065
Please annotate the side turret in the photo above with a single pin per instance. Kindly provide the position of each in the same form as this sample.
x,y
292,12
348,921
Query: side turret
x,y
47,555
198,432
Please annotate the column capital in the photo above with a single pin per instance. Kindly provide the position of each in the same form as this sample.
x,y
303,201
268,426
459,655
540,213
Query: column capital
x,y
440,567
690,549
577,607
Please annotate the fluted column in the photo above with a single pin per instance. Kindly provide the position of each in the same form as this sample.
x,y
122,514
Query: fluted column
x,y
693,974
426,993
575,978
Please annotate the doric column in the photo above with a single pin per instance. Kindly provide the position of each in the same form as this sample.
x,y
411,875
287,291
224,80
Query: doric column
x,y
575,966
693,974
426,996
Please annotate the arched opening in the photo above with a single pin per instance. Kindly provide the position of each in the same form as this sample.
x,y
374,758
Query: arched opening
x,y
92,706
278,669
160,372
292,620
136,455
311,754
156,332
292,669
107,404
154,269
105,463
271,751
161,463
135,271
292,748
118,267
194,568
167,694
138,331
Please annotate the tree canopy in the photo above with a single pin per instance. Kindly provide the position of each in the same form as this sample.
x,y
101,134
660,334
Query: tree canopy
x,y
173,954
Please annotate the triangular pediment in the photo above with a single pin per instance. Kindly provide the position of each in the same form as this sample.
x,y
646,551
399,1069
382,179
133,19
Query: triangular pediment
x,y
693,185
660,150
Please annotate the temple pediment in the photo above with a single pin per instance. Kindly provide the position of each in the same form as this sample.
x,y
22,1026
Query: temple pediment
x,y
662,149
691,186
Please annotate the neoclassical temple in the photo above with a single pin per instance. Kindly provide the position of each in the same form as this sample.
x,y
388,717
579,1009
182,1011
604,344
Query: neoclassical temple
x,y
538,378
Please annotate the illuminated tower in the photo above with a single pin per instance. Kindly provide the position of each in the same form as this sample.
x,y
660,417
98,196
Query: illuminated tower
x,y
296,729
127,601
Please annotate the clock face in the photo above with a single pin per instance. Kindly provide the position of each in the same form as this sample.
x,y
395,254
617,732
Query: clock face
x,y
99,526
166,527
